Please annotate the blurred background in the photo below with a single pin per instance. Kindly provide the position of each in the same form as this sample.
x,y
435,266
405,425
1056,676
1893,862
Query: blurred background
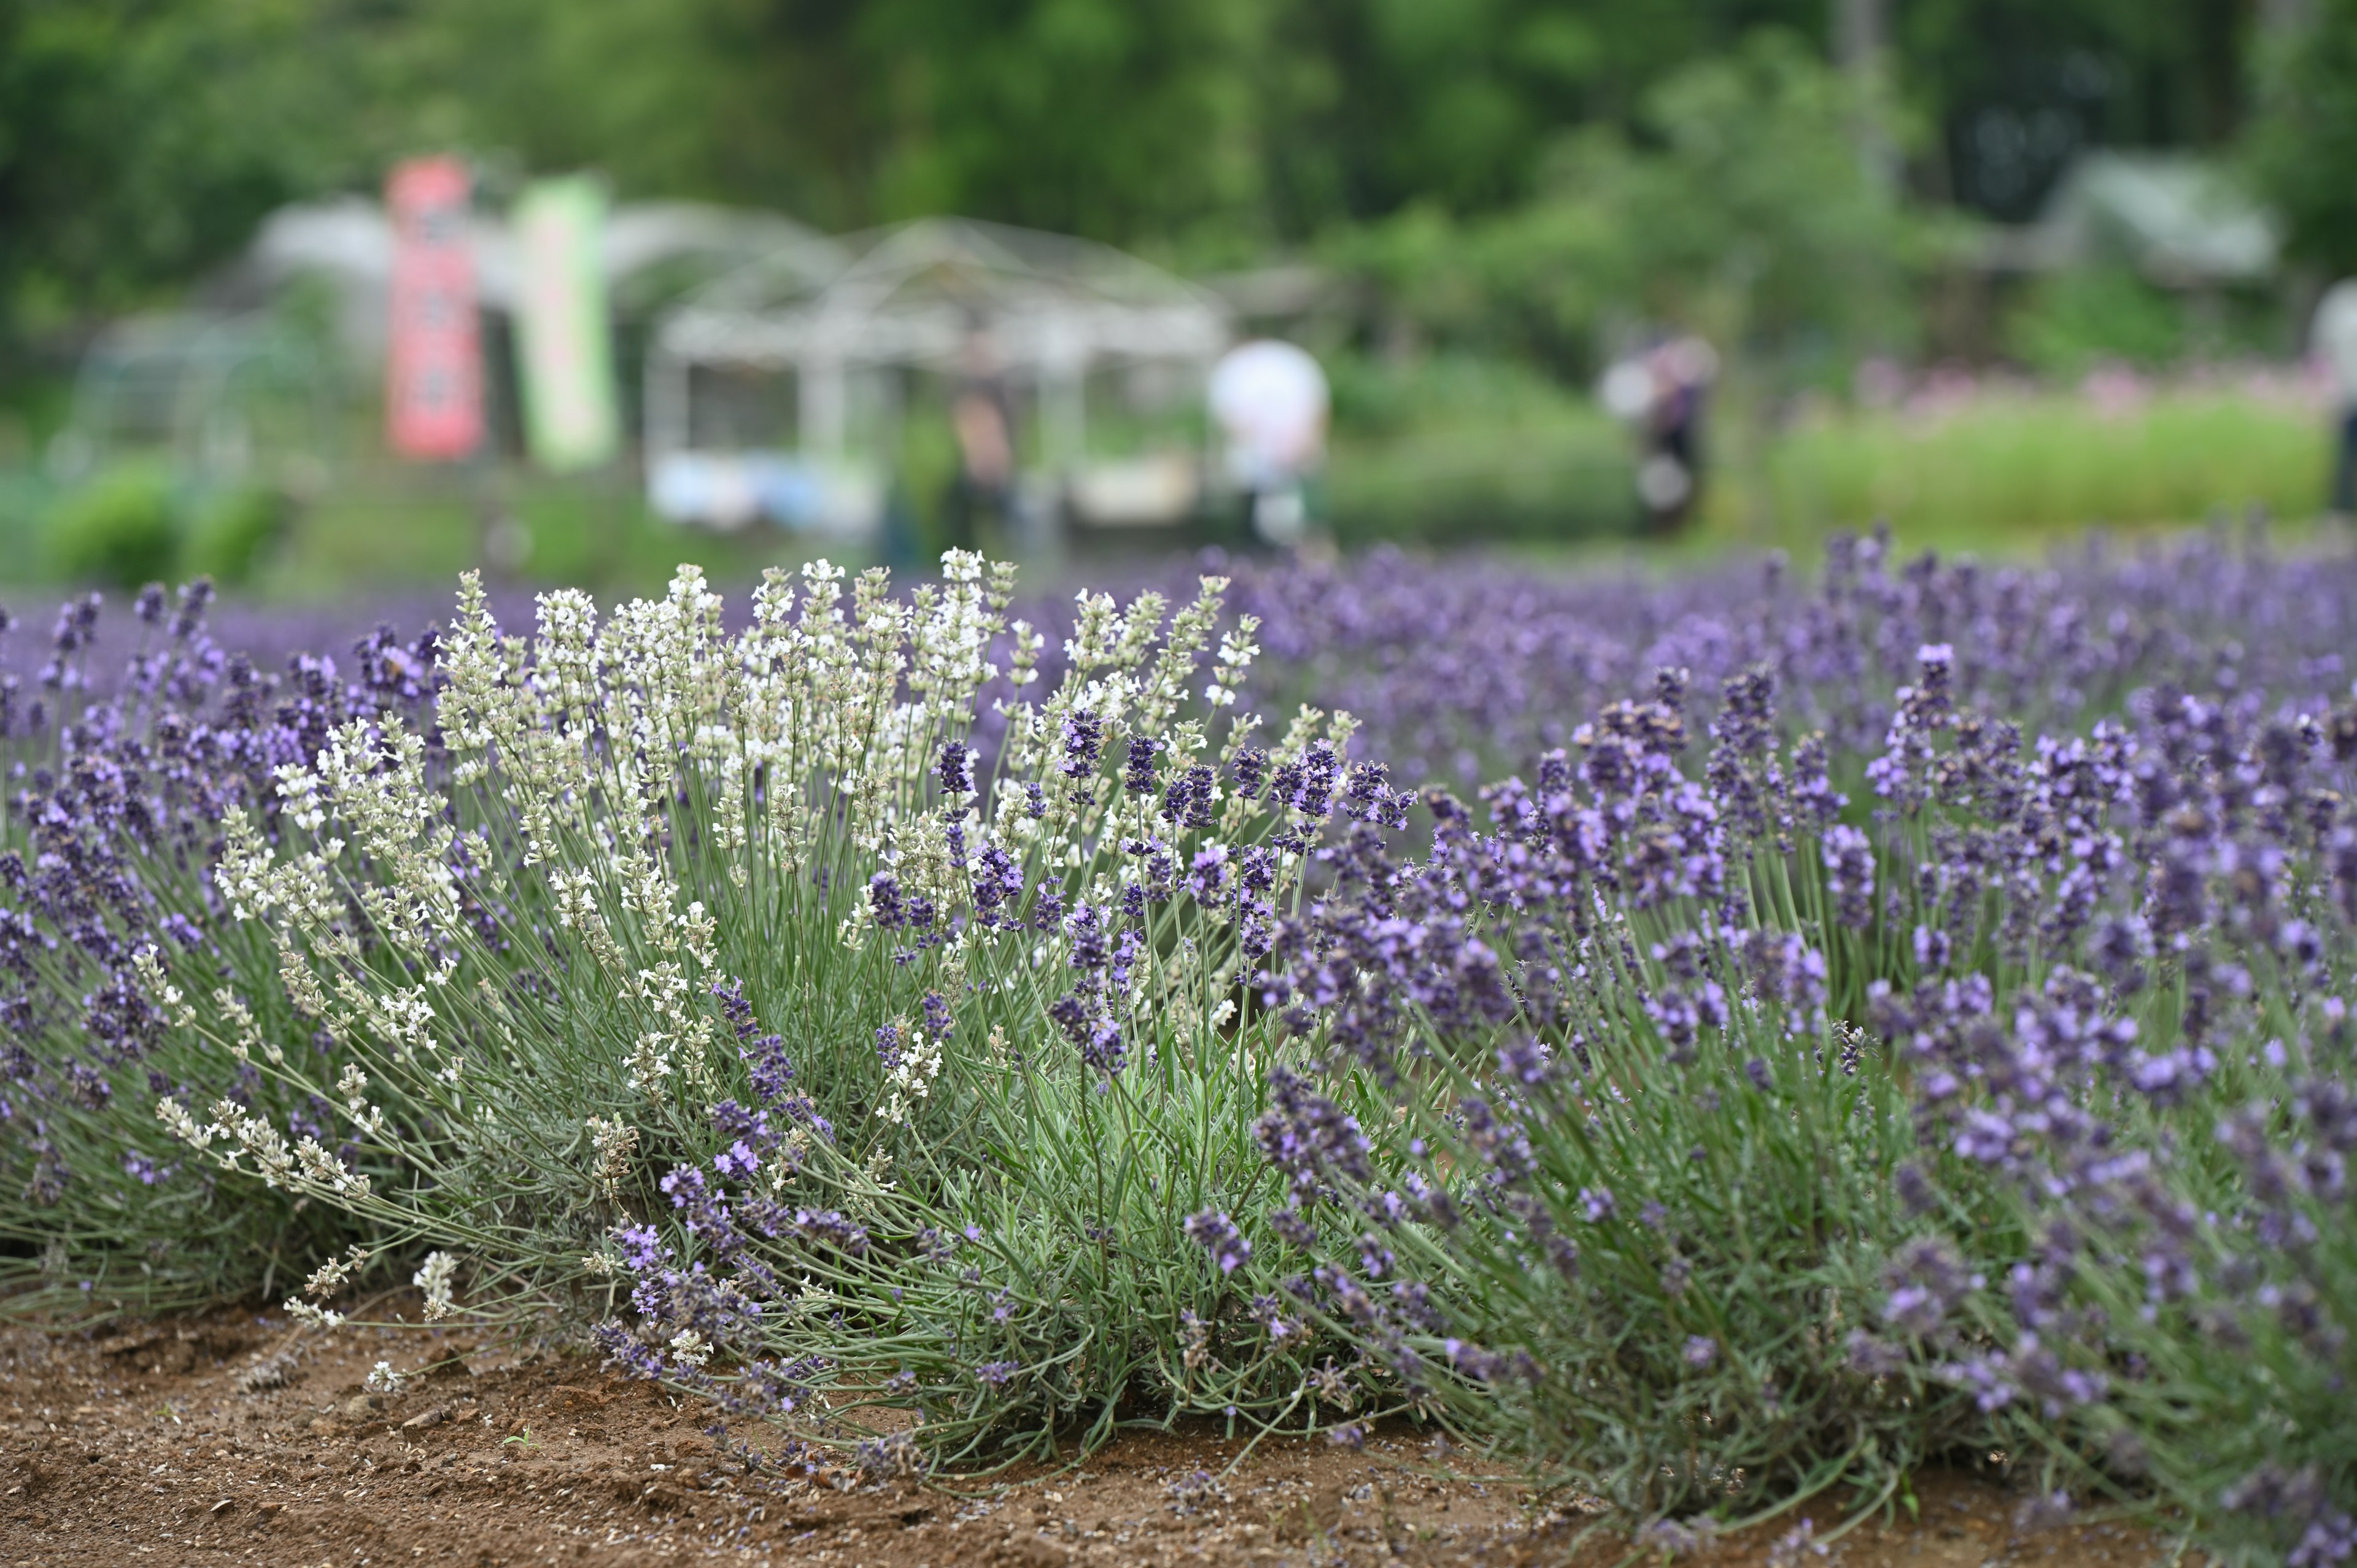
x,y
326,296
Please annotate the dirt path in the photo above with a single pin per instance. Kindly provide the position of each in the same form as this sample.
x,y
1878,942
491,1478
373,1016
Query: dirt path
x,y
222,1440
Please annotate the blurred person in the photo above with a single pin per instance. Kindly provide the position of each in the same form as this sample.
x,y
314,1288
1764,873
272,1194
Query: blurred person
x,y
1659,393
1269,400
2333,339
982,418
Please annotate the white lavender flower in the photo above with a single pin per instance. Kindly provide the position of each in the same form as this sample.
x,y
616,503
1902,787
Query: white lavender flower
x,y
911,1077
303,1311
434,1279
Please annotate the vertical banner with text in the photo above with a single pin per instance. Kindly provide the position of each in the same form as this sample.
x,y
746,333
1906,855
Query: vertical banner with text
x,y
562,336
434,359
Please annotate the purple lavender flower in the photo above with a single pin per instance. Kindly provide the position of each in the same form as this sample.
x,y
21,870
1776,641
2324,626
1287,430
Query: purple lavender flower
x,y
1138,776
1929,1281
832,1228
1084,741
885,903
1218,1235
954,770
1251,771
1085,927
1849,876
1304,1135
1104,1049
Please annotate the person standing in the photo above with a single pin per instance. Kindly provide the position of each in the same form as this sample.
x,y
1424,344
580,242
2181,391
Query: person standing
x,y
1659,393
2333,339
982,419
1271,403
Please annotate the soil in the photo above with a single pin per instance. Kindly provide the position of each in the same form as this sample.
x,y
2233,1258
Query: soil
x,y
228,1439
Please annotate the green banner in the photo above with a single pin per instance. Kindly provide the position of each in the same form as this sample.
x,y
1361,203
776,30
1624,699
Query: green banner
x,y
564,339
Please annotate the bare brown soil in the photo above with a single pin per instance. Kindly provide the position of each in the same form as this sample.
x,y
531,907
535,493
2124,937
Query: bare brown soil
x,y
223,1440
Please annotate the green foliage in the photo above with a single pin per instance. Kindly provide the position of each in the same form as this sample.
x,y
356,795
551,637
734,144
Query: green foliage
x,y
133,524
409,531
1741,208
2078,319
122,529
139,143
2034,464
232,534
1760,200
2121,74
2075,321
2304,141
1451,448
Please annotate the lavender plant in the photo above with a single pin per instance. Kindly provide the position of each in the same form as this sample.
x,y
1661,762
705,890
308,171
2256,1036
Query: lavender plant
x,y
1651,1183
1462,671
720,973
1688,1236
2168,1115
117,783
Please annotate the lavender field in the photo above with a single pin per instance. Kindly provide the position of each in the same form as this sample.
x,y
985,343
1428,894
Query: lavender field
x,y
1708,1041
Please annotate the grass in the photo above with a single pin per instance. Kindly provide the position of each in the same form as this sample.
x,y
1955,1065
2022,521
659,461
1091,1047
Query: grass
x,y
412,528
1450,450
2027,466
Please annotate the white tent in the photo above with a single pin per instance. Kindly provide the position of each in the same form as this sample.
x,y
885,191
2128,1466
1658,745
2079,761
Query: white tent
x,y
2180,220
1047,311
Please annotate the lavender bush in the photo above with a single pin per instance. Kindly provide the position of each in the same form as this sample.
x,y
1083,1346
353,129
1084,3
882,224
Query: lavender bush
x,y
719,983
121,760
2077,1192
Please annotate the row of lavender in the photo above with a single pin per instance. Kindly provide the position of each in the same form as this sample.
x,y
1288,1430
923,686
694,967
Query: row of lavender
x,y
1903,1016
1757,1132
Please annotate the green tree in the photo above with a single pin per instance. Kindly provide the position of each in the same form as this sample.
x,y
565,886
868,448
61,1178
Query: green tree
x,y
141,142
2303,146
1739,207
1120,119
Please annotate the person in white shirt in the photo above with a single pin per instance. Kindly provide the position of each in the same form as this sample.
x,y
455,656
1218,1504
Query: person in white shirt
x,y
2333,339
1270,400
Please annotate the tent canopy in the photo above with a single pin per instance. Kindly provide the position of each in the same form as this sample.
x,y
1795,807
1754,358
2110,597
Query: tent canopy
x,y
919,294
2180,220
947,296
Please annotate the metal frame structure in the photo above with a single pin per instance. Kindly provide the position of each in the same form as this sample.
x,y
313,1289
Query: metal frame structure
x,y
1052,308
217,395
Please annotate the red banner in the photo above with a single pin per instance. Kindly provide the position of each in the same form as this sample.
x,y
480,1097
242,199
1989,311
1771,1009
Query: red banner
x,y
434,357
